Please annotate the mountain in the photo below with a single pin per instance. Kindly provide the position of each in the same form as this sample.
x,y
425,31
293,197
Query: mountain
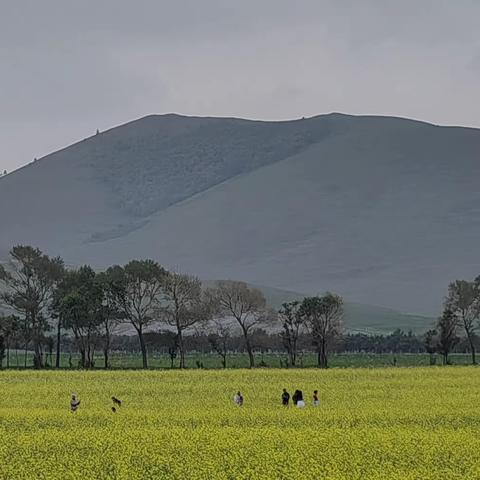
x,y
382,210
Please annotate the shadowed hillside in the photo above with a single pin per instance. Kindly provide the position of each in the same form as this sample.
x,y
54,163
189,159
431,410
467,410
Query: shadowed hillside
x,y
381,210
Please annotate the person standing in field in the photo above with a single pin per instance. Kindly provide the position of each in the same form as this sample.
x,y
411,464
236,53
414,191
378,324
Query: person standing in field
x,y
74,403
298,399
315,400
238,399
285,397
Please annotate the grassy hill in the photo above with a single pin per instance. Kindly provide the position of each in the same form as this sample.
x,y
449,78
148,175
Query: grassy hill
x,y
383,211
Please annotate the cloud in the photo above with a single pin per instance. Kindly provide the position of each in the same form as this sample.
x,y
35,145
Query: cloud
x,y
70,67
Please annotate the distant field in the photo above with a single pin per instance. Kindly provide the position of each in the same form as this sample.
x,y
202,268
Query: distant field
x,y
387,423
211,361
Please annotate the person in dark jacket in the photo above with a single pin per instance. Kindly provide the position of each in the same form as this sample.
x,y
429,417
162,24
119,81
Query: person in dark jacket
x,y
285,397
298,399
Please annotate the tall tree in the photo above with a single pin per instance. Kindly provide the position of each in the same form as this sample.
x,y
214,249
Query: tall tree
x,y
324,318
447,334
463,300
184,305
8,329
430,343
80,307
245,304
109,315
219,337
292,323
29,280
136,292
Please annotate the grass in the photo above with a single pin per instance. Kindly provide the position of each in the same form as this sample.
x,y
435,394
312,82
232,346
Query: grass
x,y
211,361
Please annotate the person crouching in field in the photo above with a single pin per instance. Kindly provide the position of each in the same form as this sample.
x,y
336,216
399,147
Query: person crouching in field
x,y
74,403
285,397
238,399
315,400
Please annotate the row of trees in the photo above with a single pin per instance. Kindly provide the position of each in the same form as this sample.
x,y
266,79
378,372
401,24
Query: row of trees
x,y
43,295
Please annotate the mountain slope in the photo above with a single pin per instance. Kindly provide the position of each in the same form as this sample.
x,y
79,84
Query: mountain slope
x,y
381,210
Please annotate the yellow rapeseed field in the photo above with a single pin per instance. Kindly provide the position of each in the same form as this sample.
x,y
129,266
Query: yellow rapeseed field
x,y
417,423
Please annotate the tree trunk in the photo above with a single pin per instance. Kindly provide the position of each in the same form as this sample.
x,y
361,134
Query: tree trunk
x,y
250,351
143,347
322,354
181,348
59,336
37,357
472,347
106,348
293,356
82,357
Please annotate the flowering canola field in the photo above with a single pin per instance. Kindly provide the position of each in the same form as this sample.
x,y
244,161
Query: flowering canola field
x,y
419,423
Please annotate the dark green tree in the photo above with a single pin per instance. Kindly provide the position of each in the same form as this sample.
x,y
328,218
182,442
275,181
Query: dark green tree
x,y
79,304
109,315
136,291
292,323
324,319
463,301
447,327
8,329
430,344
29,281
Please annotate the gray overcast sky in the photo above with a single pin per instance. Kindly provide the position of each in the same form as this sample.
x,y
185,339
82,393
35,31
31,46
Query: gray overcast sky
x,y
68,67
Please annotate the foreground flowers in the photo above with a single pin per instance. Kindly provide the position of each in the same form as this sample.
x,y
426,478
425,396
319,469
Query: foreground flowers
x,y
371,424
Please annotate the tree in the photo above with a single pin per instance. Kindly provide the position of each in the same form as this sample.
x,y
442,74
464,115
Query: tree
x,y
8,329
79,304
109,314
430,344
324,318
219,337
2,349
30,281
184,305
136,291
447,334
463,301
292,323
245,304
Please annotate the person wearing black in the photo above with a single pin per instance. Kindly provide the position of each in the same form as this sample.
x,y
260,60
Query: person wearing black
x,y
285,397
297,396
299,403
